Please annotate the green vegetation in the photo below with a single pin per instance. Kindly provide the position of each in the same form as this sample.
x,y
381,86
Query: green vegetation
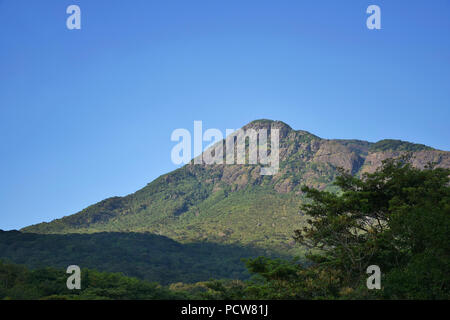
x,y
397,145
396,218
145,256
19,283
258,217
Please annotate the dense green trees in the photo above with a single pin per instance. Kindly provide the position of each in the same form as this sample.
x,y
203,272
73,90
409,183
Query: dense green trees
x,y
397,218
142,255
19,283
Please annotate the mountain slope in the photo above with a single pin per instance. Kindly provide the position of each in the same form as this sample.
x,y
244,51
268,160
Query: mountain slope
x,y
234,203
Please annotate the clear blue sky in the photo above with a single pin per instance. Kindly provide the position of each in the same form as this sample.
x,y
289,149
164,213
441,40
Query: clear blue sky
x,y
87,114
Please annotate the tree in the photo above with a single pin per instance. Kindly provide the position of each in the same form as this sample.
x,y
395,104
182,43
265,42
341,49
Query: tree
x,y
396,218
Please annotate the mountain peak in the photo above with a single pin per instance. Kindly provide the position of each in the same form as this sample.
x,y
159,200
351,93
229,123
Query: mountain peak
x,y
267,123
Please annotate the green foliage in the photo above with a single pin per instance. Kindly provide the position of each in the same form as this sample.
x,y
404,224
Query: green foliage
x,y
283,279
397,145
258,217
220,290
19,283
396,218
146,256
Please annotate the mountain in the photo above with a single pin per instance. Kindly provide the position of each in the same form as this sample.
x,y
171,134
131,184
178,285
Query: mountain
x,y
235,204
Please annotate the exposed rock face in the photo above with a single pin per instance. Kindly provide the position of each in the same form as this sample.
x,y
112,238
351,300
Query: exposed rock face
x,y
306,159
419,159
338,155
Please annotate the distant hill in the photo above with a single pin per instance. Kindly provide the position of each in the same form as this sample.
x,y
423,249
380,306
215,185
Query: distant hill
x,y
234,204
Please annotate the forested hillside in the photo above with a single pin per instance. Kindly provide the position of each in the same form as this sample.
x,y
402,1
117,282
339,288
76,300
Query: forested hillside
x,y
146,256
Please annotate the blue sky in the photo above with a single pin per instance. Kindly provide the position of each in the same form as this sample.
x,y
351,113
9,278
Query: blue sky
x,y
87,114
